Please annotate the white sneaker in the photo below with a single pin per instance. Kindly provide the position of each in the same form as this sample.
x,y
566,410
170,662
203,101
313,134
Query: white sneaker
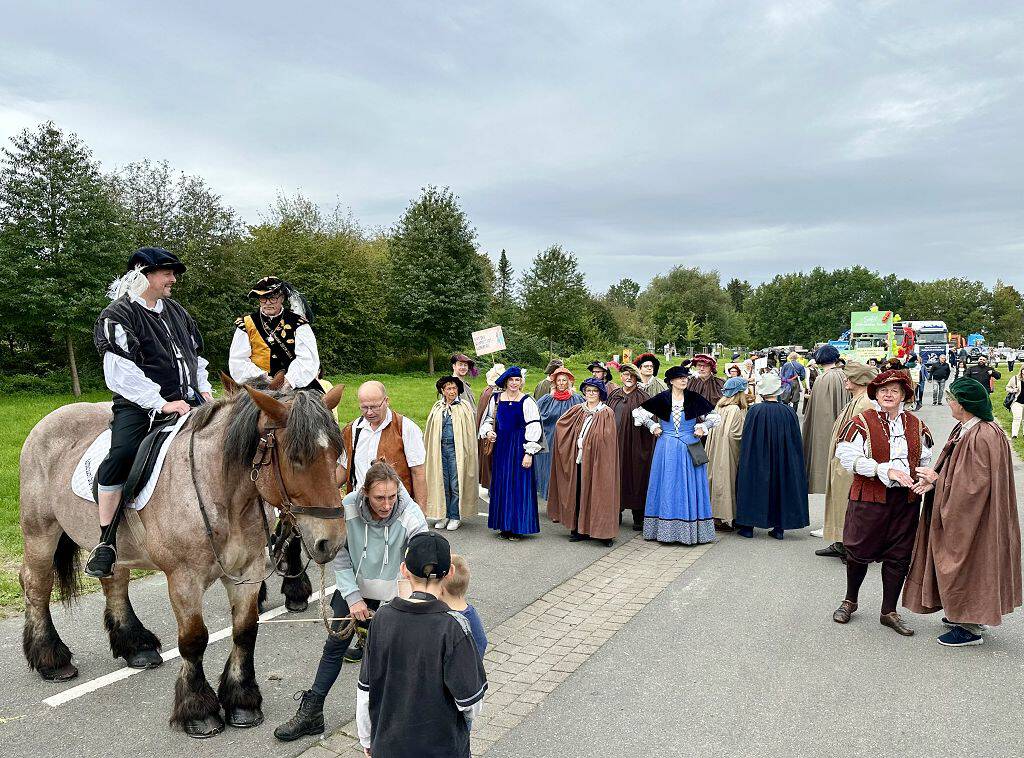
x,y
817,532
441,523
453,525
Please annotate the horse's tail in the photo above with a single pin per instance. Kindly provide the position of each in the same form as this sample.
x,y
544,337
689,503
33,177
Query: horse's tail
x,y
67,567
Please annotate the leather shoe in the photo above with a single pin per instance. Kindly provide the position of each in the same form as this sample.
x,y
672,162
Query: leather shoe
x,y
894,622
844,611
835,550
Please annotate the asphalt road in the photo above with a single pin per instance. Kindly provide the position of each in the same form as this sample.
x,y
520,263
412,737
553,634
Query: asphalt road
x,y
740,657
129,718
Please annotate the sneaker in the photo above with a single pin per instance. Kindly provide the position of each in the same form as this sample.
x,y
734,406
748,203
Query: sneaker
x,y
950,625
817,532
453,524
960,637
441,523
101,561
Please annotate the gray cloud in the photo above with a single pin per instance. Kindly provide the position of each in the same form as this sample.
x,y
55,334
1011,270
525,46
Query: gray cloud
x,y
750,137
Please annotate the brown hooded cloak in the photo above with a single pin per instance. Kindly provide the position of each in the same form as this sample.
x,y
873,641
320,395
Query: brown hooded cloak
x,y
636,448
599,484
723,449
967,552
827,400
837,489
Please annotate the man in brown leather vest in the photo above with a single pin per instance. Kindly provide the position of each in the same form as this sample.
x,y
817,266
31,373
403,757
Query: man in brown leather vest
x,y
882,447
379,432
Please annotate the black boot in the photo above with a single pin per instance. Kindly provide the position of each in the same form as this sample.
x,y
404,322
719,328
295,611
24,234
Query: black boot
x,y
101,561
308,720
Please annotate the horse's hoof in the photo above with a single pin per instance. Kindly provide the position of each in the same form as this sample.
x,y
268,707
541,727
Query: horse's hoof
x,y
244,718
296,606
203,728
63,674
144,659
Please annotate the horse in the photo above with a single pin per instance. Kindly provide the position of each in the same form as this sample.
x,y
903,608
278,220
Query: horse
x,y
232,463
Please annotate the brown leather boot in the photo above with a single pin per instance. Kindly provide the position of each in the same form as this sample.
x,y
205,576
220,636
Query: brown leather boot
x,y
894,622
844,611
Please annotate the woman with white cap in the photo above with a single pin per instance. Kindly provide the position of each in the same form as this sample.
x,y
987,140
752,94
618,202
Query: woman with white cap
x,y
771,483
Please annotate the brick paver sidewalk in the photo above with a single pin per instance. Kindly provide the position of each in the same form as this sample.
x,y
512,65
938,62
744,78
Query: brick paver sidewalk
x,y
532,653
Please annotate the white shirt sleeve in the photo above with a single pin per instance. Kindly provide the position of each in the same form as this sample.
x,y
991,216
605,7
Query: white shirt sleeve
x,y
487,422
203,374
643,417
128,380
364,727
412,441
711,420
534,430
240,365
853,457
304,369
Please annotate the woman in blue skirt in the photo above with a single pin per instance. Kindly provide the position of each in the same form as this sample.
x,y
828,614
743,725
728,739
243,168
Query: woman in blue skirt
x,y
512,422
552,406
678,501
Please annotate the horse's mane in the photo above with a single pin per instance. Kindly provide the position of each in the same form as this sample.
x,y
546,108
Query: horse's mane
x,y
310,425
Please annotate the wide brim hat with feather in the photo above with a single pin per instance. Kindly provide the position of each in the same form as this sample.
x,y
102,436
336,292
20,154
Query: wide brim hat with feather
x,y
893,376
148,259
268,286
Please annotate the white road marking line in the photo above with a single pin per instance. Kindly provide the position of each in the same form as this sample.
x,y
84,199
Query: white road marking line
x,y
123,673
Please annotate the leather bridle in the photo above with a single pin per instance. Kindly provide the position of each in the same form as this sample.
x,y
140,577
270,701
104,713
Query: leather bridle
x,y
267,455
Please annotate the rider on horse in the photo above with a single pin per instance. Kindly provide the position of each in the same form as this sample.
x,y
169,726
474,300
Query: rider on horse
x,y
150,347
276,338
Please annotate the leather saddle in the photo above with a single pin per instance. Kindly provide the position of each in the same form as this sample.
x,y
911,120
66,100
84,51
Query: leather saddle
x,y
145,458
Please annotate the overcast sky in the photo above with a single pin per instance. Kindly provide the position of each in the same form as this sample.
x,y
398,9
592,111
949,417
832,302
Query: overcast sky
x,y
750,137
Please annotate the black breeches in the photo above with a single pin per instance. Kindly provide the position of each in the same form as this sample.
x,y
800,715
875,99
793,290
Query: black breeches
x,y
127,430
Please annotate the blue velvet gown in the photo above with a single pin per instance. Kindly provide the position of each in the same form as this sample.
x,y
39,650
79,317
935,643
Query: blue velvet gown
x,y
513,506
678,499
550,411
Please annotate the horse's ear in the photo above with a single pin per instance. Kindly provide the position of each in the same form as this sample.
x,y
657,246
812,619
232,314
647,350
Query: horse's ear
x,y
277,382
229,384
333,396
274,408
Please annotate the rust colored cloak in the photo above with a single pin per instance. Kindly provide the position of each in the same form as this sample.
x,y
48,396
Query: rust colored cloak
x,y
485,460
599,485
967,551
636,449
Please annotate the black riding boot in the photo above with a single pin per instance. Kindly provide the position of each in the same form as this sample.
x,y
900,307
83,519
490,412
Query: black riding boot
x,y
308,720
101,561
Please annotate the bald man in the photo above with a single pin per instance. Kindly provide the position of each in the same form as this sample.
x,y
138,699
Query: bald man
x,y
379,432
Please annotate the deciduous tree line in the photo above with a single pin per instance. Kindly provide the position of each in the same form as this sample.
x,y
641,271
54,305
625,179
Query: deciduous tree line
x,y
384,299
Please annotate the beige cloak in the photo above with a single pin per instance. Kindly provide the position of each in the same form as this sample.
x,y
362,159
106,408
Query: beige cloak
x,y
723,449
967,552
837,490
464,429
827,400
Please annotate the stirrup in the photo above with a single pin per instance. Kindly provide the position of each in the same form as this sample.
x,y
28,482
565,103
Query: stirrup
x,y
92,555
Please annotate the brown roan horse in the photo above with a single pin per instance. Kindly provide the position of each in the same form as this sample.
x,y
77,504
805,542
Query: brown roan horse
x,y
237,476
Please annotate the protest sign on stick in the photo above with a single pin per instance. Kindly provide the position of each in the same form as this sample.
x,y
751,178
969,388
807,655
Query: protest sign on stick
x,y
487,341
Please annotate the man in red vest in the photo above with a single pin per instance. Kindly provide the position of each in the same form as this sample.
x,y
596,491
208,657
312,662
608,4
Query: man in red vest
x,y
882,447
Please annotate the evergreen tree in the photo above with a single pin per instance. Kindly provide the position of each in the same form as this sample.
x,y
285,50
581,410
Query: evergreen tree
x,y
553,294
504,284
61,241
437,284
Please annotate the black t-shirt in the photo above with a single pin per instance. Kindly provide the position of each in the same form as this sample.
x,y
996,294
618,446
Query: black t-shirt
x,y
419,666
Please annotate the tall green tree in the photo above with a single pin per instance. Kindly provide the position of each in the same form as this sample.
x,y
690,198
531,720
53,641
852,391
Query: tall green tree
x,y
438,292
554,295
685,295
739,290
504,282
624,292
61,241
1007,315
965,305
179,212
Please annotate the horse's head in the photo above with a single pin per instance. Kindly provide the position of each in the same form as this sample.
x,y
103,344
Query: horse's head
x,y
295,463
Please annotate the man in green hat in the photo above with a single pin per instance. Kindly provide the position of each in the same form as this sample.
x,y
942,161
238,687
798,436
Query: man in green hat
x,y
967,550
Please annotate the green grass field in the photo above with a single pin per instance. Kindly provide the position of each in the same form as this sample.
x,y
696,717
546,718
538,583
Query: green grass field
x,y
411,395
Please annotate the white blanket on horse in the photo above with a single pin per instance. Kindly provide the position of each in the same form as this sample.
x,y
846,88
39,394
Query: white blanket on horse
x,y
85,471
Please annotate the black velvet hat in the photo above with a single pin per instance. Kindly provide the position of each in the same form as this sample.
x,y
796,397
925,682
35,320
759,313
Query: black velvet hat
x,y
445,379
155,258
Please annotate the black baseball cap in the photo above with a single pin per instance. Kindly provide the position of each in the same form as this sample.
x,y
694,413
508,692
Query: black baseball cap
x,y
429,556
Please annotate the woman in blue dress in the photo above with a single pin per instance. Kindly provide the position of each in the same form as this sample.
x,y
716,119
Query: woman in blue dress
x,y
512,423
551,407
678,505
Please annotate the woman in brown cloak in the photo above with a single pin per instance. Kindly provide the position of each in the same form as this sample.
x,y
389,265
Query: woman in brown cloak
x,y
481,408
967,552
584,490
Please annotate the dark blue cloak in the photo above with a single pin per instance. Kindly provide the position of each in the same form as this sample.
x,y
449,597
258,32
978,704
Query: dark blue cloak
x,y
771,483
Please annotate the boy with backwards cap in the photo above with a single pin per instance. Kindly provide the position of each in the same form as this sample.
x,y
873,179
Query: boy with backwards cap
x,y
422,680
